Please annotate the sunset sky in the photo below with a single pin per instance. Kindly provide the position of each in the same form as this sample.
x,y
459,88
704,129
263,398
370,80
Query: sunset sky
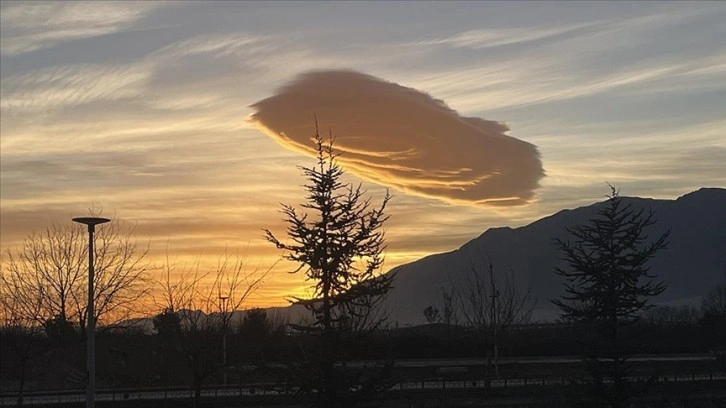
x,y
190,119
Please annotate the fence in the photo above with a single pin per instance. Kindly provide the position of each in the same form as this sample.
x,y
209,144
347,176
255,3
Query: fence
x,y
269,389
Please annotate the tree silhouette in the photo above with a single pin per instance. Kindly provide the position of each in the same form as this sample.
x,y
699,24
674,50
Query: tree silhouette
x,y
339,247
713,321
607,287
449,313
20,333
49,273
715,301
195,315
258,333
491,303
167,323
255,324
431,314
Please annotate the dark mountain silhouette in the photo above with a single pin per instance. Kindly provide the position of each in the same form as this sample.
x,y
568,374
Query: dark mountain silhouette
x,y
694,262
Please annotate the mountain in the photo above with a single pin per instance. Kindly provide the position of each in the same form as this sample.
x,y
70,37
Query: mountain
x,y
694,262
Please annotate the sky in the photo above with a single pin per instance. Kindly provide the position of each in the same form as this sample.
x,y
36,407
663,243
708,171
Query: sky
x,y
191,119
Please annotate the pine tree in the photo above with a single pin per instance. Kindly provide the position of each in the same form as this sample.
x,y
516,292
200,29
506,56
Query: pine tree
x,y
607,286
339,246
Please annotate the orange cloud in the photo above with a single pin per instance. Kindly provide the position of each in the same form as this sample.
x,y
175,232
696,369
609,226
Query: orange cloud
x,y
404,138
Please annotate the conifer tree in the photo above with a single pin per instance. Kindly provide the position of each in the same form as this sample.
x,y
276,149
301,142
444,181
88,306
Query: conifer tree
x,y
608,285
338,245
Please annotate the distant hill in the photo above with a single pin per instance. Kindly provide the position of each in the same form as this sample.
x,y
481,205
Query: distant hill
x,y
694,262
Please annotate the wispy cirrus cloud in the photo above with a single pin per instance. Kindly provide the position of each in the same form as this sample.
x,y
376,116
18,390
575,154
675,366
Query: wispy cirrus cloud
x,y
150,79
537,79
498,36
220,45
570,60
31,26
155,76
47,89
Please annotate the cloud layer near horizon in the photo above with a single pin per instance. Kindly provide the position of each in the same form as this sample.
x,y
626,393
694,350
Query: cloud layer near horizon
x,y
404,138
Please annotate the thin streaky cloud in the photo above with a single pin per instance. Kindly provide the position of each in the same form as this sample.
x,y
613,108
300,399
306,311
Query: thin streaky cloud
x,y
534,80
32,26
221,45
58,87
494,37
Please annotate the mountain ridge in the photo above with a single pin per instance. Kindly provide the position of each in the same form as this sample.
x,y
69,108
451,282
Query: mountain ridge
x,y
419,283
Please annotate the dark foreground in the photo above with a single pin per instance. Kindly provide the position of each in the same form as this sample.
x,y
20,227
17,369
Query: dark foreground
x,y
684,392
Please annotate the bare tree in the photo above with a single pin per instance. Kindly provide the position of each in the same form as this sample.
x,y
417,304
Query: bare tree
x,y
449,310
445,311
670,315
50,269
713,320
715,301
339,247
492,302
196,311
19,333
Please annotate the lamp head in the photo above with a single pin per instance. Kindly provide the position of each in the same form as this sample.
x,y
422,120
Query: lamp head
x,y
91,221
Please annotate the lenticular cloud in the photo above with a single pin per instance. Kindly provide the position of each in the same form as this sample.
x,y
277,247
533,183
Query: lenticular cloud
x,y
401,137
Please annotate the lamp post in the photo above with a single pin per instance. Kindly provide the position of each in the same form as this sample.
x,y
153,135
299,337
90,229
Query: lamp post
x,y
91,222
223,299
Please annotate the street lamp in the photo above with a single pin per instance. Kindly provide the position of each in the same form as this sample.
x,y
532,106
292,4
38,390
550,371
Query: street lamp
x,y
91,222
223,299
